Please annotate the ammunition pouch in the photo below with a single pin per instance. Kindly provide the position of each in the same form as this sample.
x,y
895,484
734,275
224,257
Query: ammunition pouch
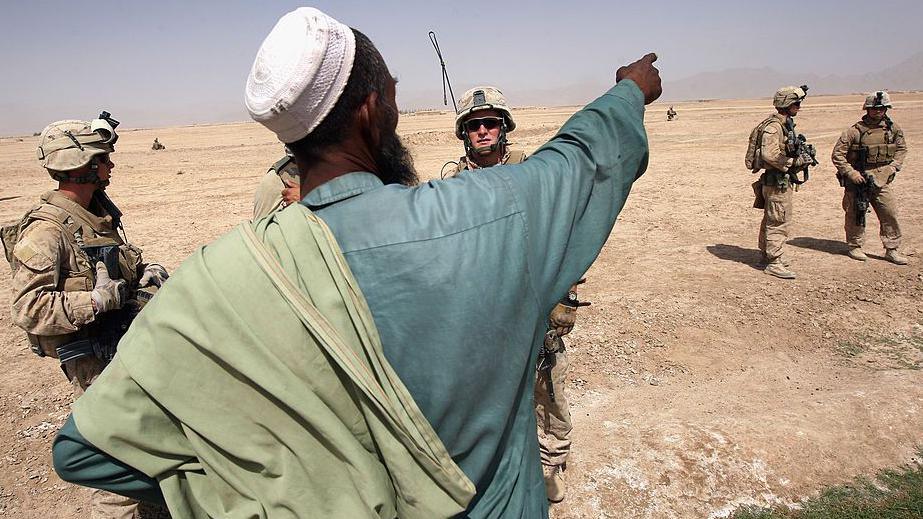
x,y
775,178
876,155
880,154
759,202
75,350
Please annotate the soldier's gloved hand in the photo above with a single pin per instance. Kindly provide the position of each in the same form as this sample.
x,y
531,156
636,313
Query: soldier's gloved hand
x,y
799,161
806,156
154,274
108,294
855,177
562,319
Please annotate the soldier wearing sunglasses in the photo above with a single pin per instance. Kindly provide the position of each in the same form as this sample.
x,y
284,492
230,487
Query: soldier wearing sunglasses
x,y
482,123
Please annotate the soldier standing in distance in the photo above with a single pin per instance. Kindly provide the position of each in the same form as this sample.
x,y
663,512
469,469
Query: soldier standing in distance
x,y
768,142
64,297
482,123
867,157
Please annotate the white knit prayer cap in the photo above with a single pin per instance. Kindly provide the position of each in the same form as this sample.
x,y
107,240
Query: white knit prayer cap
x,y
299,73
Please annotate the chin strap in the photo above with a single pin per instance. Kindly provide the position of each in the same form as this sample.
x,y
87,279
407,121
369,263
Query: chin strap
x,y
471,164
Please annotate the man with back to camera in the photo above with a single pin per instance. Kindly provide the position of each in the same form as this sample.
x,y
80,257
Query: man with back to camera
x,y
482,123
459,276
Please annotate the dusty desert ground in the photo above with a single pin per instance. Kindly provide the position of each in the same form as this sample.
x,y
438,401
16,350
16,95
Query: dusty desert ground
x,y
698,382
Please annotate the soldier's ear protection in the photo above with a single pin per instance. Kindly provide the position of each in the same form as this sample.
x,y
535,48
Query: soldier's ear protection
x,y
97,159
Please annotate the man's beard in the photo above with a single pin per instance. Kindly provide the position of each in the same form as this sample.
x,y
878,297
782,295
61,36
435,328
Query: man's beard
x,y
395,165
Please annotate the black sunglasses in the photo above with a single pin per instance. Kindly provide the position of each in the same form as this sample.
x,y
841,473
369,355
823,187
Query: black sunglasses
x,y
473,125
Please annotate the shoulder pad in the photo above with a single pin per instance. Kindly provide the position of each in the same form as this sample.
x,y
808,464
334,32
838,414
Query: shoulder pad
x,y
516,156
54,214
33,251
281,163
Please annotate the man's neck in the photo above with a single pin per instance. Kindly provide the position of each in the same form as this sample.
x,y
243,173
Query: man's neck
x,y
80,193
330,165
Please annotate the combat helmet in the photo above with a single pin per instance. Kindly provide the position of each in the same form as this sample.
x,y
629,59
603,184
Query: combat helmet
x,y
879,99
72,144
789,95
482,98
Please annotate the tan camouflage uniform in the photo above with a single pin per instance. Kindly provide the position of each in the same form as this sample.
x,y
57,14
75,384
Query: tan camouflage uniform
x,y
54,277
52,281
268,197
882,197
777,190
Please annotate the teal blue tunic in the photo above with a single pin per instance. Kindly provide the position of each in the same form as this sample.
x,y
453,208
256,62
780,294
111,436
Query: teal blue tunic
x,y
460,275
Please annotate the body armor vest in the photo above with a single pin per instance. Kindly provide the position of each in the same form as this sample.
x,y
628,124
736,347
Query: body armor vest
x,y
89,246
878,141
512,157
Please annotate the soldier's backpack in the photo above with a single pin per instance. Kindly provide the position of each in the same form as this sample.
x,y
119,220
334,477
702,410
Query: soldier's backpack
x,y
754,159
9,235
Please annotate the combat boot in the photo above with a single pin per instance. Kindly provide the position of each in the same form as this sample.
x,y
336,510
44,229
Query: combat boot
x,y
779,270
766,261
895,257
555,484
856,254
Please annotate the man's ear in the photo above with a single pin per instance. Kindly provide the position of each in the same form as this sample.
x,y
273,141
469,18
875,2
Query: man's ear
x,y
368,115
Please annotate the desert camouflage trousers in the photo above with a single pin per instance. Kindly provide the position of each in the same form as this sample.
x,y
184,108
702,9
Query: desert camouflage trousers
x,y
553,418
104,505
884,202
776,216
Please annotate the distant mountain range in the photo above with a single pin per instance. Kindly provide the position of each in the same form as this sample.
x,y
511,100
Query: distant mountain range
x,y
762,82
739,83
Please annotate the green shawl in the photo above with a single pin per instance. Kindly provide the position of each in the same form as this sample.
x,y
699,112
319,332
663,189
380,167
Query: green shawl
x,y
254,385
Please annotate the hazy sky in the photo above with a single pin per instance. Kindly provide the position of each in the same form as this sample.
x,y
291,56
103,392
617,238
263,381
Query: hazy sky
x,y
186,61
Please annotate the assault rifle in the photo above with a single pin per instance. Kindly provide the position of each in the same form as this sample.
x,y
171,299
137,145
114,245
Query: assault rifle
x,y
863,191
547,358
108,255
796,145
